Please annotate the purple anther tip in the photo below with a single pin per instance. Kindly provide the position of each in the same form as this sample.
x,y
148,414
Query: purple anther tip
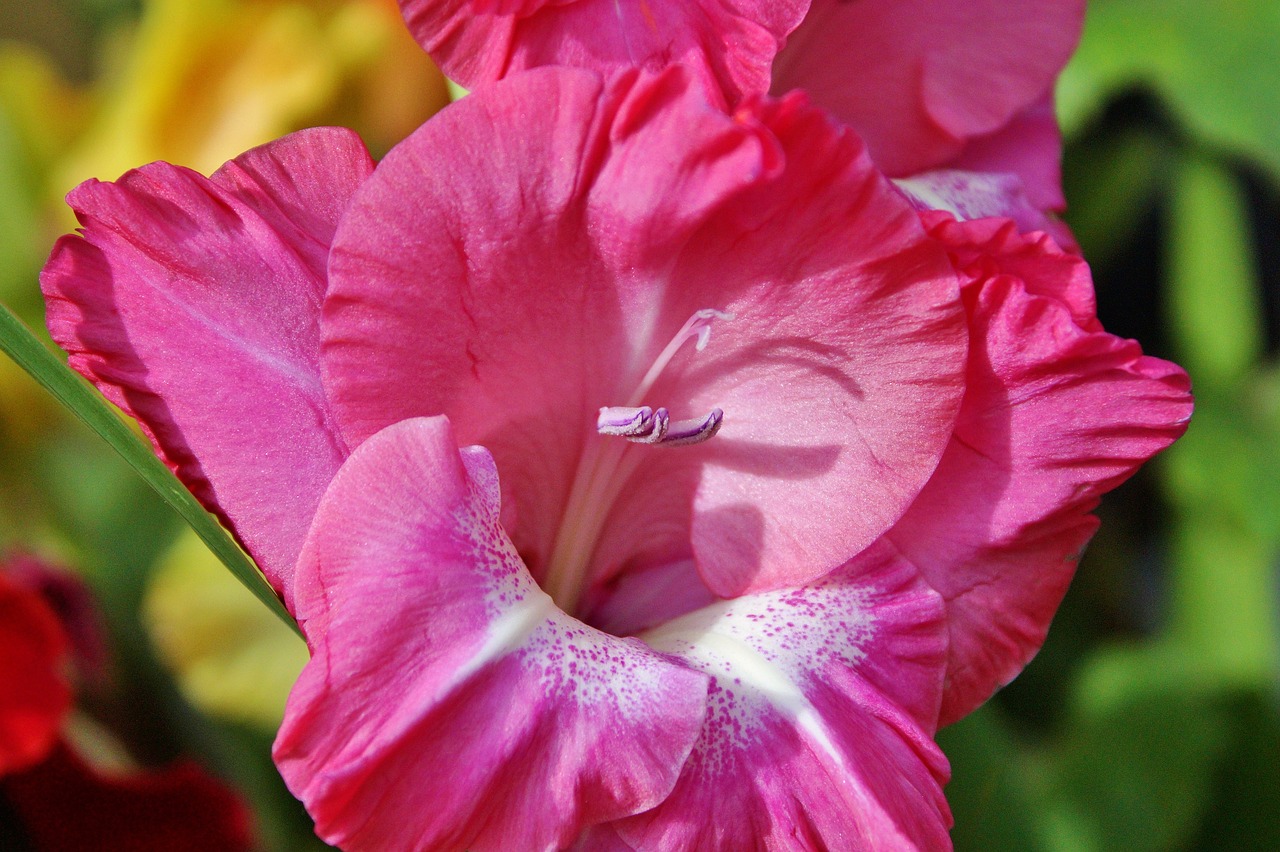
x,y
625,422
645,425
684,432
658,428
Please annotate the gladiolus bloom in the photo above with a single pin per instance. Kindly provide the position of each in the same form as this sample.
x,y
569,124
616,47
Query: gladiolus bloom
x,y
960,91
728,44
642,465
931,84
625,461
663,402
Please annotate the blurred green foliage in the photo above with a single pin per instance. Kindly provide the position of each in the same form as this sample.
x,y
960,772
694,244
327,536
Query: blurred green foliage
x,y
1150,720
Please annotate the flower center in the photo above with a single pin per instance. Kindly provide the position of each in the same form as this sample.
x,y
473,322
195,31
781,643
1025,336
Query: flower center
x,y
601,472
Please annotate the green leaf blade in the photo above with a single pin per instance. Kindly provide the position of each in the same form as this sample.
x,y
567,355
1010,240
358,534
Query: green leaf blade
x,y
20,344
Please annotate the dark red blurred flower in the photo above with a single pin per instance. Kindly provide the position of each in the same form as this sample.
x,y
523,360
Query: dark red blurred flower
x,y
34,693
51,798
66,804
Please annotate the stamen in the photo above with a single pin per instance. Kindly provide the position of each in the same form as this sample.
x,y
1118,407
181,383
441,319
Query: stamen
x,y
644,425
606,466
641,424
684,432
625,422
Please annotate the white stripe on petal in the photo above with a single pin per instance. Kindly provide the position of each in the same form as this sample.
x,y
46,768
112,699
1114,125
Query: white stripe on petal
x,y
768,647
736,665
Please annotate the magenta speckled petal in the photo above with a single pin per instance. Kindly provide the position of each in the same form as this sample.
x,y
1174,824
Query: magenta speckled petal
x,y
521,285
1056,413
822,711
729,44
194,303
448,703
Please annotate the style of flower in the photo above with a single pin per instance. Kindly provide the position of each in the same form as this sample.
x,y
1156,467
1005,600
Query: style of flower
x,y
954,98
641,475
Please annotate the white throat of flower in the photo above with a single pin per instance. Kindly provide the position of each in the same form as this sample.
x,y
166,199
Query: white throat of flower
x,y
601,471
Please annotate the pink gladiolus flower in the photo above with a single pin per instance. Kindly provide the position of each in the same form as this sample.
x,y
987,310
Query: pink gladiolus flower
x,y
958,97
668,407
691,476
729,44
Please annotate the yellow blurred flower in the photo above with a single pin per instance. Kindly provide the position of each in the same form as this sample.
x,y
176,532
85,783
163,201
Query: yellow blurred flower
x,y
42,111
39,116
203,80
232,657
194,82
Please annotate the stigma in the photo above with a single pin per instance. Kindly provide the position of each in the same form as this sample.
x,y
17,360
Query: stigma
x,y
642,424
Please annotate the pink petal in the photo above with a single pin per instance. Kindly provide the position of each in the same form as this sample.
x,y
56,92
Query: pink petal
x,y
1029,146
520,262
822,712
640,599
919,79
193,304
448,704
982,249
730,44
1056,413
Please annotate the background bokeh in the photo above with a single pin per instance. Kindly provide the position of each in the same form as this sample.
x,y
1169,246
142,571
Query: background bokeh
x,y
1150,720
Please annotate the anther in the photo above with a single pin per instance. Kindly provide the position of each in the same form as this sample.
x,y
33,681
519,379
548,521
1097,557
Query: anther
x,y
657,428
644,425
685,432
641,424
624,422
